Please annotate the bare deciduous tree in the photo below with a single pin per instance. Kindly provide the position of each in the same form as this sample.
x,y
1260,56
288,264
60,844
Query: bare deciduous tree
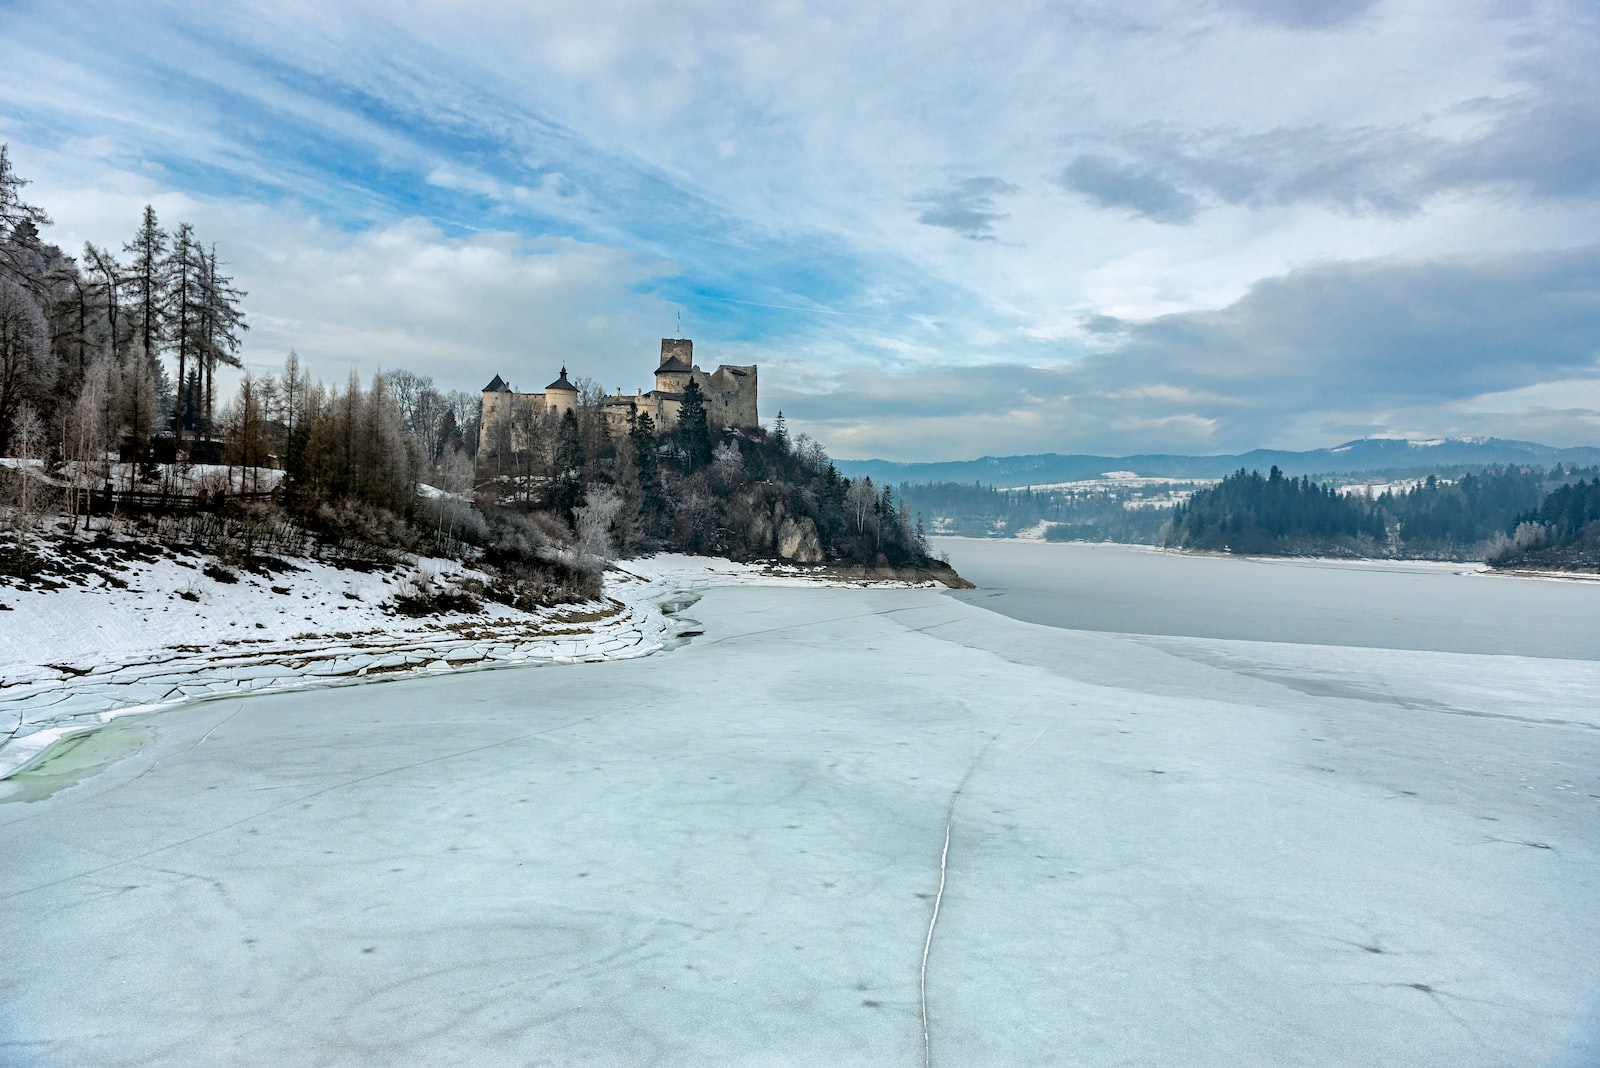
x,y
246,434
27,441
861,499
90,430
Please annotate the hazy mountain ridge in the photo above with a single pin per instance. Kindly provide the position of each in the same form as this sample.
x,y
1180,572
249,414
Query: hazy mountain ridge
x,y
1360,455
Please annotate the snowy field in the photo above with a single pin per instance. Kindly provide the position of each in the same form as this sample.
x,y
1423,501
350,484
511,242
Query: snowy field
x,y
841,826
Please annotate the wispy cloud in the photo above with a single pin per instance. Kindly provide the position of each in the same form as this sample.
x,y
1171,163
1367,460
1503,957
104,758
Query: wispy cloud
x,y
1303,14
967,207
1142,192
554,181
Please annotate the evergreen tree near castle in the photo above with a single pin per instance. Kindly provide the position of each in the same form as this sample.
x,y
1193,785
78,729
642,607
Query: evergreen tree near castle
x,y
694,429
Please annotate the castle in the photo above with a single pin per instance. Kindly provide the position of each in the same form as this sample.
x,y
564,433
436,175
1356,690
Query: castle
x,y
730,397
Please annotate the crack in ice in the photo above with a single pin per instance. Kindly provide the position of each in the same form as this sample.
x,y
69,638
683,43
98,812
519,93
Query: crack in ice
x,y
927,1044
938,897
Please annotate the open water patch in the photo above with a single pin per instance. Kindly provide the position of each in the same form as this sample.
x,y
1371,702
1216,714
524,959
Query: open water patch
x,y
74,759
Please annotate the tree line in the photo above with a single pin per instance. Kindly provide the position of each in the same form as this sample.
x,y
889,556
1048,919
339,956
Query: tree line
x,y
1489,514
1105,512
1562,533
106,326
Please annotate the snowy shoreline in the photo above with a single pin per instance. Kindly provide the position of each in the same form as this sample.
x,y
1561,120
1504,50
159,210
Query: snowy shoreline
x,y
76,659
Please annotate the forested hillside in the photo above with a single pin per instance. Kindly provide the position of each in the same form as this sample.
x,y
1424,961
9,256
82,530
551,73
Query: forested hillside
x,y
111,413
1101,511
1562,533
1500,515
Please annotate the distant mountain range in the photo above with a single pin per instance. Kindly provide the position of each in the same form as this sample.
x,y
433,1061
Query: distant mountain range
x,y
1364,455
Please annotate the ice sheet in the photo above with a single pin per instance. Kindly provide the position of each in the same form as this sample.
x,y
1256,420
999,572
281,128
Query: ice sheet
x,y
1161,851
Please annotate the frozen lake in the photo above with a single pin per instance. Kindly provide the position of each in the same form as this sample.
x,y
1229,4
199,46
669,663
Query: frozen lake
x,y
1141,847
1399,605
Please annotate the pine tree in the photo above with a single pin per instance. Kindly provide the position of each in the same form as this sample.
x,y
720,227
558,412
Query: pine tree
x,y
294,398
647,469
567,487
221,323
183,270
146,280
694,431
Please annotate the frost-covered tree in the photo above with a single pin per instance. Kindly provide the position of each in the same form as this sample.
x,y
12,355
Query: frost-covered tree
x,y
727,463
19,224
139,391
594,518
108,276
452,471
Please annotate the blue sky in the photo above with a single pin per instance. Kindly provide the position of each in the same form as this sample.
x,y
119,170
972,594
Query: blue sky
x,y
941,230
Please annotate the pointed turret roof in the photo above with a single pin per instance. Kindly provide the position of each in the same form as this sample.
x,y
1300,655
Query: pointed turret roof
x,y
672,363
562,384
497,385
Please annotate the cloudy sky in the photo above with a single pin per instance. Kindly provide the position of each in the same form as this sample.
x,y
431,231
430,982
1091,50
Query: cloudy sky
x,y
941,230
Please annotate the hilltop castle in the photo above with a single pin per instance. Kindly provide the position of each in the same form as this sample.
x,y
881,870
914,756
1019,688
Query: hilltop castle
x,y
730,397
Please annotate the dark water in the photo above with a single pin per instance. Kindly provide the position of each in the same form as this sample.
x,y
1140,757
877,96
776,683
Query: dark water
x,y
1132,590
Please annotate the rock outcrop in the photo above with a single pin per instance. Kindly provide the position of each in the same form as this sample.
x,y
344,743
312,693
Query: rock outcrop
x,y
797,540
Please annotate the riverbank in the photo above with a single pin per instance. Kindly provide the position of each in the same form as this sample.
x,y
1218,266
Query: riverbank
x,y
140,628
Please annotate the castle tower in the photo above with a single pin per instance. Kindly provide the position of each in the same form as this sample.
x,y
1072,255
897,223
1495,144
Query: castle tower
x,y
677,348
560,396
498,399
677,361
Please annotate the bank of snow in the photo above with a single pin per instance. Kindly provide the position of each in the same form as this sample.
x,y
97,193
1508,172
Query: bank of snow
x,y
162,630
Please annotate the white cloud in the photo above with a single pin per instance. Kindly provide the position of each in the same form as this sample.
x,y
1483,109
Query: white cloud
x,y
462,309
461,190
